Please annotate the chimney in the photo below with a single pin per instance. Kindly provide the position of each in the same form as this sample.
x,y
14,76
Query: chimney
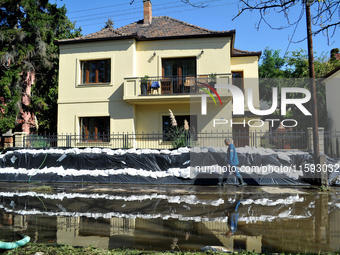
x,y
147,12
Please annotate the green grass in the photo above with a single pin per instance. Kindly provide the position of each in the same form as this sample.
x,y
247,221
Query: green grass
x,y
70,250
324,188
55,249
43,189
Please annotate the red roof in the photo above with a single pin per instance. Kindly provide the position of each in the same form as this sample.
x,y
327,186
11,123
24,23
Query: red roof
x,y
160,28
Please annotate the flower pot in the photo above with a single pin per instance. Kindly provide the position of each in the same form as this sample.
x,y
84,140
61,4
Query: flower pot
x,y
144,88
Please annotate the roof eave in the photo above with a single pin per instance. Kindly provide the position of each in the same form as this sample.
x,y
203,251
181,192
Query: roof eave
x,y
85,40
335,70
250,54
230,33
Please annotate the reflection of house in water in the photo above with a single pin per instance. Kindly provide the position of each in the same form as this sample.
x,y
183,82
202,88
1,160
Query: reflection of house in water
x,y
41,229
235,242
318,231
100,232
150,234
274,223
14,222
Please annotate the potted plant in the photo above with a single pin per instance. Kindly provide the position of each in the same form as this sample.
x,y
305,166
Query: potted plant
x,y
212,79
144,84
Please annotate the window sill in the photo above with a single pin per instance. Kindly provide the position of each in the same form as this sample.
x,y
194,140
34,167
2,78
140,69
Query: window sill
x,y
92,85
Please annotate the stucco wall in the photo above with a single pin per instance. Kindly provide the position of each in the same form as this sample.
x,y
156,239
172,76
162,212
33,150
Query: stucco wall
x,y
249,67
76,100
130,58
214,59
149,117
332,100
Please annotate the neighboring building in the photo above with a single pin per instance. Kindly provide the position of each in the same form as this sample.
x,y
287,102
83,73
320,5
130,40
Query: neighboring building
x,y
26,121
332,83
103,86
335,55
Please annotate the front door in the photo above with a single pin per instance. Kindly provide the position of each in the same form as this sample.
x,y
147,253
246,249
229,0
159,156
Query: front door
x,y
241,135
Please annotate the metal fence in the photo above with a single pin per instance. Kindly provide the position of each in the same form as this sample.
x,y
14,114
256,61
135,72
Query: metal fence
x,y
272,139
332,143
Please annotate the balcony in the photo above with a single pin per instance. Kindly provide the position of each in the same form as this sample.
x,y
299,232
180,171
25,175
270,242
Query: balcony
x,y
178,88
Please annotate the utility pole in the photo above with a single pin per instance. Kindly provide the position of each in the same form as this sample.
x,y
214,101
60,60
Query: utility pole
x,y
312,84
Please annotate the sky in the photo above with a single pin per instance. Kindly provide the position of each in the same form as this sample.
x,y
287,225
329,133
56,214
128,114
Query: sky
x,y
217,15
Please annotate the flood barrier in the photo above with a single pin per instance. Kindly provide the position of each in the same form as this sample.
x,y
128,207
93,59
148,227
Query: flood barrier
x,y
200,166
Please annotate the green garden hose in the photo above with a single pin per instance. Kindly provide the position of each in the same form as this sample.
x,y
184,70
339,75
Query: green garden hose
x,y
38,168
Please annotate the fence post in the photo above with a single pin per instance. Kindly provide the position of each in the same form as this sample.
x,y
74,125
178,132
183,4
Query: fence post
x,y
125,141
19,139
321,139
256,139
68,140
7,139
323,173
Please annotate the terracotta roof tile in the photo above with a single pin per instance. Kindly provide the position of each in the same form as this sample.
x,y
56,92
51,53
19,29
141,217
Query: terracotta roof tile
x,y
161,27
164,27
240,53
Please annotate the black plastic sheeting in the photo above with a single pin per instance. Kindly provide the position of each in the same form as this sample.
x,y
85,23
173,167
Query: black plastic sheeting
x,y
91,161
157,163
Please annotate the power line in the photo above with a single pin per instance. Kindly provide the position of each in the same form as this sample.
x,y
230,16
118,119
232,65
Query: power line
x,y
116,5
159,14
138,8
138,12
98,8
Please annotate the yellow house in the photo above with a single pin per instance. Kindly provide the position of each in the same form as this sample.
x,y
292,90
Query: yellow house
x,y
332,83
125,80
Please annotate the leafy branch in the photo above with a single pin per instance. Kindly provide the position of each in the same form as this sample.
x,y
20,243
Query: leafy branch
x,y
325,16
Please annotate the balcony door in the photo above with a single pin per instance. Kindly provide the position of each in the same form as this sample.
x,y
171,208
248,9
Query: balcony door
x,y
175,71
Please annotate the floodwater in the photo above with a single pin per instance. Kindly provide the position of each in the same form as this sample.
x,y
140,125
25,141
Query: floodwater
x,y
267,219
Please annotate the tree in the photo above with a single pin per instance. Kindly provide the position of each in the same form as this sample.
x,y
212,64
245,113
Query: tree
x,y
109,23
325,17
334,53
274,69
28,29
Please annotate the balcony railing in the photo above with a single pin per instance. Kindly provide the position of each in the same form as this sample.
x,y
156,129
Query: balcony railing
x,y
177,85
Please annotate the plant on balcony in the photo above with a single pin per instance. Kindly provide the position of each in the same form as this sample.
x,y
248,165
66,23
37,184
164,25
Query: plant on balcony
x,y
179,136
144,84
212,79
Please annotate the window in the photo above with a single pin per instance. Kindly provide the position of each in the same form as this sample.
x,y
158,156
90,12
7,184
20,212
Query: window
x,y
179,67
175,71
192,121
238,79
96,71
95,128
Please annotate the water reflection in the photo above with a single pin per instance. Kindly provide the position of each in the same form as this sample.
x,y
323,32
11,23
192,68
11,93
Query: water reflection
x,y
259,222
233,217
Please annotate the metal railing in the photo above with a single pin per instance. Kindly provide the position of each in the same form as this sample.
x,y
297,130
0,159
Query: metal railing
x,y
69,140
332,143
175,85
266,139
158,140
